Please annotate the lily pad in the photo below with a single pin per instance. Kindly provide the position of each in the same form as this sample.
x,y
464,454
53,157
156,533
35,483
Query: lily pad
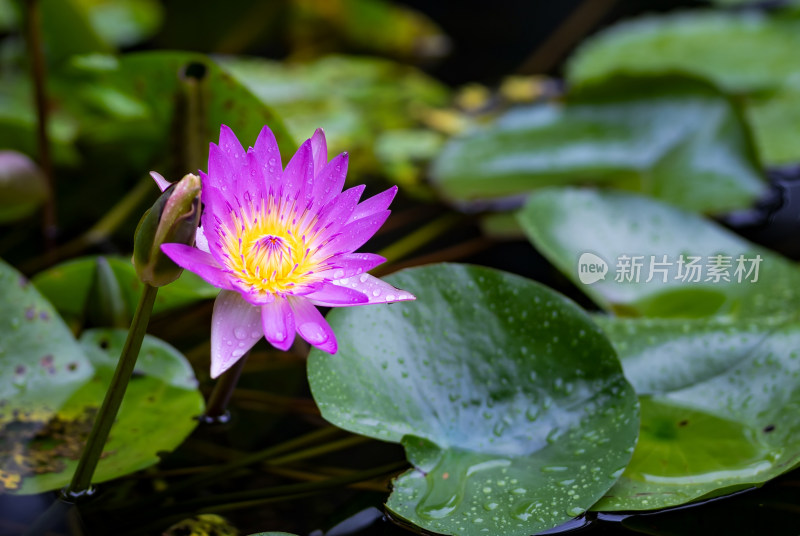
x,y
43,365
615,232
742,52
749,53
140,101
54,386
719,408
359,100
509,401
775,117
675,139
159,411
68,286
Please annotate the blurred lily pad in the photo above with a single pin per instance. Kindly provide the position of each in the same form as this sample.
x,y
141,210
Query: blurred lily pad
x,y
750,53
656,260
509,401
161,108
124,22
354,98
741,52
68,287
719,408
67,31
675,139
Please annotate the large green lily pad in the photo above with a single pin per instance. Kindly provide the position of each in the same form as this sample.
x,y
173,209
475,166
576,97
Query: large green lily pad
x,y
675,139
620,230
749,53
69,284
719,408
509,401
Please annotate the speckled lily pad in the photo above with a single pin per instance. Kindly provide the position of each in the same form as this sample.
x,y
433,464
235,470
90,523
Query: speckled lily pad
x,y
53,385
719,408
509,401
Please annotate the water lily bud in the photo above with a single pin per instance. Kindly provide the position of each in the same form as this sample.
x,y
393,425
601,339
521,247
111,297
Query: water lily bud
x,y
22,186
173,218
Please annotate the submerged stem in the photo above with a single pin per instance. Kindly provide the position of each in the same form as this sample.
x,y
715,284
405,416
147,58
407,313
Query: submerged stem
x,y
217,409
245,497
244,461
82,479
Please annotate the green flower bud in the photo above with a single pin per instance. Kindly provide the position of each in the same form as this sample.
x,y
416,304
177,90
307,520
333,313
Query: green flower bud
x,y
173,218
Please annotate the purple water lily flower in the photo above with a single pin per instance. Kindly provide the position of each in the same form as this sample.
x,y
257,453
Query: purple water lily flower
x,y
278,242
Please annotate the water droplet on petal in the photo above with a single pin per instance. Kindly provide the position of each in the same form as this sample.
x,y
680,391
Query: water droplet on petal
x,y
376,292
390,297
240,333
363,278
338,274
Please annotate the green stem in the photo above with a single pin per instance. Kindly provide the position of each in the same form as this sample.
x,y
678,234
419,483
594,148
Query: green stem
x,y
217,409
34,33
415,240
319,450
82,479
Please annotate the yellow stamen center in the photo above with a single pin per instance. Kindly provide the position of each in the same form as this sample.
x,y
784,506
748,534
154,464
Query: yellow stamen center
x,y
269,248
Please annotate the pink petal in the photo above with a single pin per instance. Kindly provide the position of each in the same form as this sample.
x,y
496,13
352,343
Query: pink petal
x,y
266,149
374,204
277,321
199,262
355,234
235,328
298,172
161,182
200,240
222,171
229,144
336,213
377,290
312,326
350,264
330,181
330,295
319,149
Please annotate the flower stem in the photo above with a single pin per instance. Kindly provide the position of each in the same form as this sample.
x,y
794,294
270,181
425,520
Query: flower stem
x,y
82,479
217,408
34,41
